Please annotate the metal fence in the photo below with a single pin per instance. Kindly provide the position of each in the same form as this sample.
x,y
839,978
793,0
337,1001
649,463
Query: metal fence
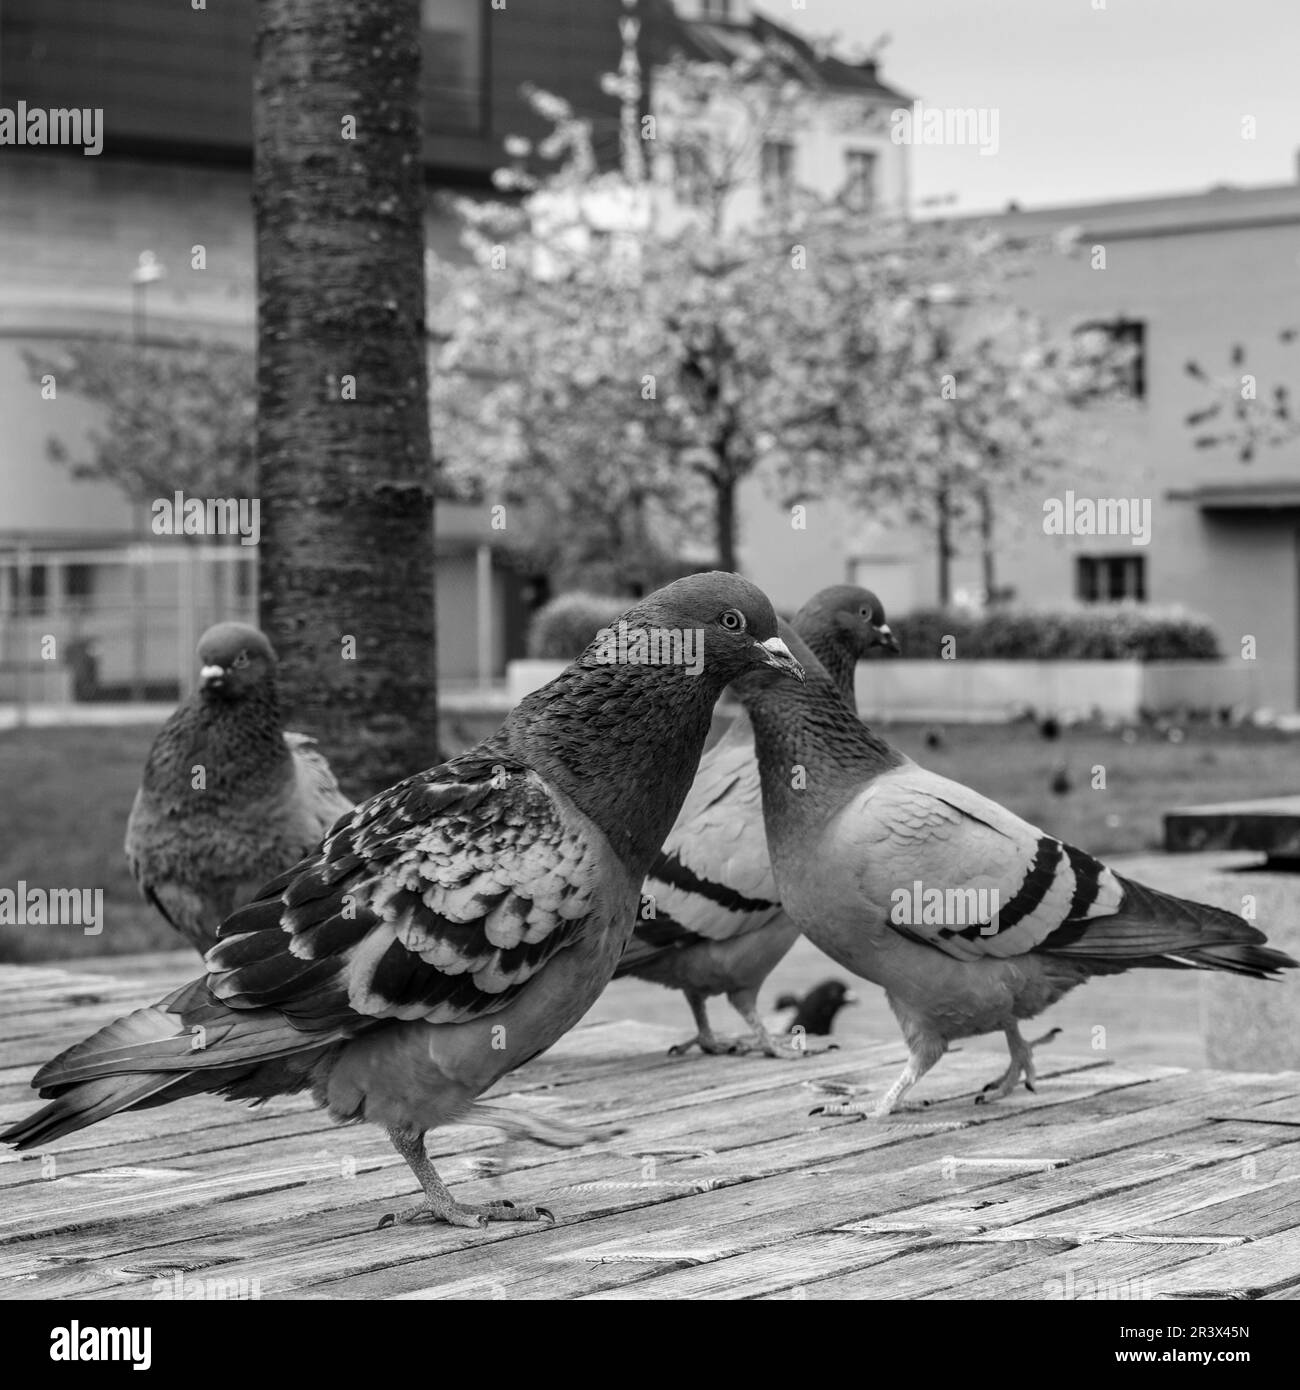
x,y
114,624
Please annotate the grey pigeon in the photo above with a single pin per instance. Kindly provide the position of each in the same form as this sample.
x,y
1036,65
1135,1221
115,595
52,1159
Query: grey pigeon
x,y
456,924
228,799
969,918
717,926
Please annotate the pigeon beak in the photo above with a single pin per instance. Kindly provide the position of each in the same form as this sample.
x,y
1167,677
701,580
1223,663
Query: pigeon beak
x,y
850,998
777,654
887,639
211,675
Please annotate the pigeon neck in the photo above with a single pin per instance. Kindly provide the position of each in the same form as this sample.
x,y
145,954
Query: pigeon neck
x,y
828,645
623,743
813,750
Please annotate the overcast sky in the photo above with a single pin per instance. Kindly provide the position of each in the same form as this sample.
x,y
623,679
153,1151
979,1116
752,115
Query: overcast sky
x,y
1144,96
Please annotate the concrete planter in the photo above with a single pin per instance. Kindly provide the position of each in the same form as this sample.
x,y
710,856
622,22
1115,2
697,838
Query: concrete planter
x,y
36,683
991,691
523,677
994,690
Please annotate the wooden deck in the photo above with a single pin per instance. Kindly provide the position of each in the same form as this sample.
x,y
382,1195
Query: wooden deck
x,y
1110,1183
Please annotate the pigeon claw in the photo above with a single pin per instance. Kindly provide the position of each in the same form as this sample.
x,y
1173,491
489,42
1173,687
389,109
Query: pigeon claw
x,y
465,1214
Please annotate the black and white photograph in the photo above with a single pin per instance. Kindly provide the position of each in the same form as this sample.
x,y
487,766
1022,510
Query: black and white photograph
x,y
649,650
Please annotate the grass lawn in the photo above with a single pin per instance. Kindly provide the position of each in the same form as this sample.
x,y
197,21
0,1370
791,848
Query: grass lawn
x,y
67,794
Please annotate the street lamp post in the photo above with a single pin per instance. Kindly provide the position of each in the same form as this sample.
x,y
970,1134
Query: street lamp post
x,y
147,269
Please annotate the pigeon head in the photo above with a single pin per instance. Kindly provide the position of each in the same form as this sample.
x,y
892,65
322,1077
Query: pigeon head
x,y
234,661
857,615
842,625
716,621
621,729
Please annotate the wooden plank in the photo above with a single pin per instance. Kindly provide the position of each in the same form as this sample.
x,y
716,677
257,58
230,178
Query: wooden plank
x,y
898,1168
724,1185
1245,1271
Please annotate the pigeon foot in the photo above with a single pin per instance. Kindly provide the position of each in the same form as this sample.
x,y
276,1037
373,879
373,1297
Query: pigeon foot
x,y
710,1043
473,1215
1022,1065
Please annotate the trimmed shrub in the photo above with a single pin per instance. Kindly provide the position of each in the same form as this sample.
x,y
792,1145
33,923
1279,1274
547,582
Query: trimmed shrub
x,y
562,628
1100,632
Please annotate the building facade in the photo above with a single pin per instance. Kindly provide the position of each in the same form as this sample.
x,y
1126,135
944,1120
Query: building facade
x,y
1201,279
107,247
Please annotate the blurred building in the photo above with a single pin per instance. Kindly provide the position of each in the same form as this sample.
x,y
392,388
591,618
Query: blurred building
x,y
103,247
1186,279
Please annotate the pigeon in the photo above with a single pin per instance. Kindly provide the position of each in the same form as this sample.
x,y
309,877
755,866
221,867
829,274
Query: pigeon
x,y
455,925
229,799
815,1013
968,917
1060,782
717,925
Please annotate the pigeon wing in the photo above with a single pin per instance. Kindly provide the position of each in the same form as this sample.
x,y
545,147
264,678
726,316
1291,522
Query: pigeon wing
x,y
713,880
438,899
914,832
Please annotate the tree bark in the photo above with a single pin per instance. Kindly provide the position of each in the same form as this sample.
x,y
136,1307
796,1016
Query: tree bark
x,y
988,560
346,485
724,517
944,537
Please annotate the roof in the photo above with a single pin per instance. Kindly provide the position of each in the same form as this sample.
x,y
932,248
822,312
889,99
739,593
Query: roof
x,y
1266,495
1215,209
723,41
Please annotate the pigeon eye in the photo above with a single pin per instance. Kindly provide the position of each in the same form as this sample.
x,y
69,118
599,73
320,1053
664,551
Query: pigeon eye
x,y
240,661
733,620
865,612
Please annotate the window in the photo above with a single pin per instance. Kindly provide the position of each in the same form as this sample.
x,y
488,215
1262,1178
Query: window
x,y
860,180
30,598
1129,334
452,53
1111,578
776,172
79,586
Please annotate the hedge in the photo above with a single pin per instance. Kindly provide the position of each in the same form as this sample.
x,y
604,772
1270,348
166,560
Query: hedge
x,y
562,628
1099,632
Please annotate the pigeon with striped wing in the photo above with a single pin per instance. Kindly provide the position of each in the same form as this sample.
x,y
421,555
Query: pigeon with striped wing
x,y
455,925
228,798
717,925
969,918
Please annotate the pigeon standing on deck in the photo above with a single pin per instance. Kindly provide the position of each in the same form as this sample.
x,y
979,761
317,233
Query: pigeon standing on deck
x,y
228,799
456,924
717,926
968,917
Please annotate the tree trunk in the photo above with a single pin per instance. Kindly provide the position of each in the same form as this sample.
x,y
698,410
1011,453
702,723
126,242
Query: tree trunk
x,y
987,559
944,538
724,517
344,466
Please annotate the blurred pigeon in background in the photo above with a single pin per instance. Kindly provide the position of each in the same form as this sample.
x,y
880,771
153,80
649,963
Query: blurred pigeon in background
x,y
228,799
815,1013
